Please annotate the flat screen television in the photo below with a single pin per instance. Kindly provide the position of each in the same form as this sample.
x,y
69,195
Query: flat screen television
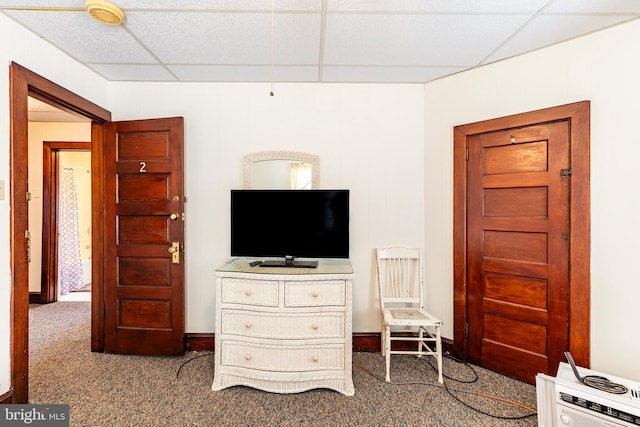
x,y
289,224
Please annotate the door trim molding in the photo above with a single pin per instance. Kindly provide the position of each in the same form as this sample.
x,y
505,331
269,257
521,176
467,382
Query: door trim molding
x,y
578,116
23,83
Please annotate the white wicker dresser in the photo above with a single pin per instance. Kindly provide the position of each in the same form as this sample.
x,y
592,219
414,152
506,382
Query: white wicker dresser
x,y
284,330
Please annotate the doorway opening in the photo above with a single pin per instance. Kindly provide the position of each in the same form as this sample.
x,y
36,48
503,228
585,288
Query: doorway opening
x,y
74,226
60,202
66,223
24,84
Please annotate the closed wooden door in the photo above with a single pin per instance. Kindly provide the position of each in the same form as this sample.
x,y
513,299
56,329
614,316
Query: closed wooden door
x,y
144,265
518,228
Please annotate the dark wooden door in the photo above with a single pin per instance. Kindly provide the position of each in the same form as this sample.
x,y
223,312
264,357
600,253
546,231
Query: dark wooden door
x,y
518,249
144,280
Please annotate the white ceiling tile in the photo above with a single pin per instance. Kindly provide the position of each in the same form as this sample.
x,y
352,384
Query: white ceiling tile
x,y
445,40
132,72
439,6
548,29
204,73
59,4
594,6
220,5
228,38
182,5
386,74
83,37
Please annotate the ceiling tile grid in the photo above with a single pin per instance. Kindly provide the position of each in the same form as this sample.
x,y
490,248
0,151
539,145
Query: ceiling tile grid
x,y
357,41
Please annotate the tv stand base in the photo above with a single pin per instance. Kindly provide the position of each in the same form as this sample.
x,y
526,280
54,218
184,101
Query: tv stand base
x,y
289,263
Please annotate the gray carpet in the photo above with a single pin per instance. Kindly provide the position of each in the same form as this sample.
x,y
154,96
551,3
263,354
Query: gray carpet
x,y
119,390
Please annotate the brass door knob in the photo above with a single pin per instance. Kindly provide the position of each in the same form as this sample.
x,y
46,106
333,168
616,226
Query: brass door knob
x,y
174,250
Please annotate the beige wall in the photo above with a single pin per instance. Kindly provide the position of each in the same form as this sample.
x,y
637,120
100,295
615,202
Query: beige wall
x,y
369,139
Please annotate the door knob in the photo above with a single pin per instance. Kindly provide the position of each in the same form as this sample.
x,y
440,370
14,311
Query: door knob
x,y
174,250
174,216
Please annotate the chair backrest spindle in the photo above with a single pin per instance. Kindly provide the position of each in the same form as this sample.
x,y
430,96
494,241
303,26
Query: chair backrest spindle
x,y
400,275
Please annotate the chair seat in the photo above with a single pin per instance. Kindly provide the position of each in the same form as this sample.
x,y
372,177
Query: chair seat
x,y
409,316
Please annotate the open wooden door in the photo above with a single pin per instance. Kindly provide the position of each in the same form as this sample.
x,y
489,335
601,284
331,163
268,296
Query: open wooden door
x,y
144,237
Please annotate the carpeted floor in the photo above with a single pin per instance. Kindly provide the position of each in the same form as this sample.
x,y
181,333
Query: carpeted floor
x,y
119,390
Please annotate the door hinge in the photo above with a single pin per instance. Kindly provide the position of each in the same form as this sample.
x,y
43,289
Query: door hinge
x,y
28,196
564,173
466,330
466,152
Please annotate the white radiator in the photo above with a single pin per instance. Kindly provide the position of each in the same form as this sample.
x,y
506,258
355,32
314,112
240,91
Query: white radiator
x,y
564,401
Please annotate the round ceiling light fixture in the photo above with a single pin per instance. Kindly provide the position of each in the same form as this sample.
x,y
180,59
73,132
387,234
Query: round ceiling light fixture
x,y
105,12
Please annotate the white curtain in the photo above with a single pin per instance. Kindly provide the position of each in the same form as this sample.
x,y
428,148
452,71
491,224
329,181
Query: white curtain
x,y
69,259
300,176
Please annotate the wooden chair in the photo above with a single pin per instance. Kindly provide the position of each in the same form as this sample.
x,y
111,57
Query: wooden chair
x,y
401,282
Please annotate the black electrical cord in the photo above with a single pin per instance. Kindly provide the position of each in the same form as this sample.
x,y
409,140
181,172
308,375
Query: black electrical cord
x,y
604,384
448,356
191,360
520,417
450,391
596,381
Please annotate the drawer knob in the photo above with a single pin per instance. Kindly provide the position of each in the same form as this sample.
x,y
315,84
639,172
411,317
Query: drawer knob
x,y
247,325
315,358
315,326
247,292
314,294
247,356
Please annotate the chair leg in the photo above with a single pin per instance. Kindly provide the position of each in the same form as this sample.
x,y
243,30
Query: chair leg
x,y
382,339
387,352
439,354
421,336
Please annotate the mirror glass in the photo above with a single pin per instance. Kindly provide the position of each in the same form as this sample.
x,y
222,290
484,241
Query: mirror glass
x,y
278,170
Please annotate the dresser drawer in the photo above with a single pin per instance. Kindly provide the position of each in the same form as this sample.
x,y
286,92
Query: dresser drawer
x,y
252,292
314,293
282,325
283,358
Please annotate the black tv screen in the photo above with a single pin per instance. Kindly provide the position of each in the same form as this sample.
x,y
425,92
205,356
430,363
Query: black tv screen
x,y
290,223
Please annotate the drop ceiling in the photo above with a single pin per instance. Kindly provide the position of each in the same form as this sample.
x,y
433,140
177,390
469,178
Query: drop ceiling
x,y
356,41
384,41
